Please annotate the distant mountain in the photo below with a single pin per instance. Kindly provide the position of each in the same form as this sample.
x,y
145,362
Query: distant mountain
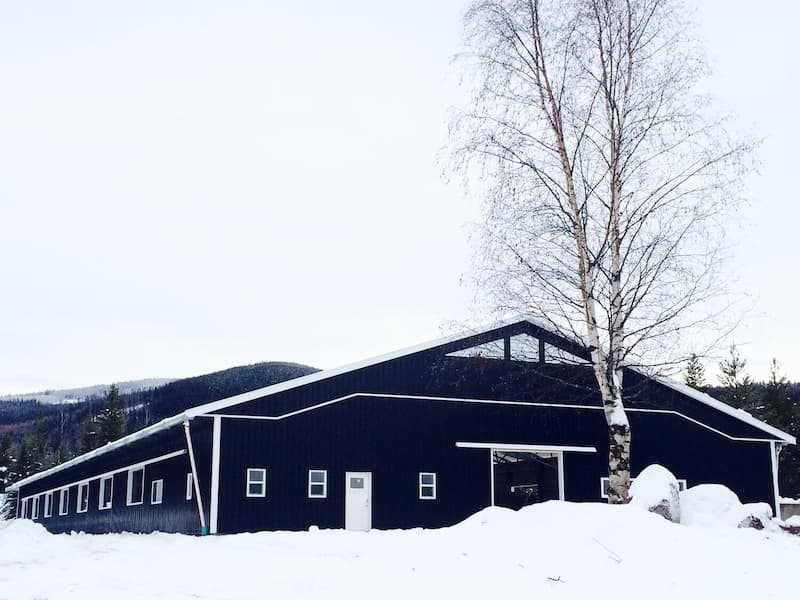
x,y
57,427
177,396
82,393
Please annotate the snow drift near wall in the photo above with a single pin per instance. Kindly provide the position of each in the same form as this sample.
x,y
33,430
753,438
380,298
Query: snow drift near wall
x,y
552,550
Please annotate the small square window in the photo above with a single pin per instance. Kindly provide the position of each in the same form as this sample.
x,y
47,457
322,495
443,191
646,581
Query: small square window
x,y
357,483
83,497
189,486
157,491
317,483
256,483
48,504
427,486
63,502
106,493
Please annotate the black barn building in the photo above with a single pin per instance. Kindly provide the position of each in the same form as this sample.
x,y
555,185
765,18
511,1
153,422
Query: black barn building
x,y
424,437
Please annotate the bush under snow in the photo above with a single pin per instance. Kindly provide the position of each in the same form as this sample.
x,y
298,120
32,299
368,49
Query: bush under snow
x,y
712,505
656,489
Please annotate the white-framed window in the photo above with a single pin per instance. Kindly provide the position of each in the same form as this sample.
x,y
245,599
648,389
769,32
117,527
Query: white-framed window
x,y
24,509
48,504
256,483
605,486
157,491
135,486
189,486
106,495
83,497
427,486
63,501
317,483
35,507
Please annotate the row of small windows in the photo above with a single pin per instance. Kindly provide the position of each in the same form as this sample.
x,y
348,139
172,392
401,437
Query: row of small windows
x,y
135,495
256,484
256,487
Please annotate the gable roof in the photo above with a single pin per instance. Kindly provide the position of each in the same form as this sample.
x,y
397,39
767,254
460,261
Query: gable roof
x,y
321,375
269,390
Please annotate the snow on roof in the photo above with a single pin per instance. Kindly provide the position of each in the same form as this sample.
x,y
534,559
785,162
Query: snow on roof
x,y
321,375
736,413
123,441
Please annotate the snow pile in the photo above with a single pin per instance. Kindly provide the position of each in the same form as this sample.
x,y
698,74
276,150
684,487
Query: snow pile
x,y
655,489
554,550
712,505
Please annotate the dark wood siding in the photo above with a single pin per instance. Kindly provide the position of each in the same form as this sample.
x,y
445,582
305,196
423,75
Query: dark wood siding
x,y
396,439
174,514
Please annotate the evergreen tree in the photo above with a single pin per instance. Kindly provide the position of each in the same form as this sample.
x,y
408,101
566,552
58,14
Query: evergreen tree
x,y
26,462
6,462
695,375
89,438
783,411
110,420
739,387
779,409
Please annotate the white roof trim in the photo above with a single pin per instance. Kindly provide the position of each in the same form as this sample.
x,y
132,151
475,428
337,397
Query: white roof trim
x,y
320,375
736,413
525,447
124,441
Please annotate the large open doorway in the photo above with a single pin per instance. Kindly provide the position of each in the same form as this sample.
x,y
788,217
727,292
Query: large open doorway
x,y
524,478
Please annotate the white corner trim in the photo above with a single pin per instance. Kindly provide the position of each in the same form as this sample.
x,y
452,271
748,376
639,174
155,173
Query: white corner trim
x,y
773,454
491,473
525,447
215,442
195,481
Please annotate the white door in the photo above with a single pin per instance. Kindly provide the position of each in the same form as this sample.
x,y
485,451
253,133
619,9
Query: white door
x,y
358,501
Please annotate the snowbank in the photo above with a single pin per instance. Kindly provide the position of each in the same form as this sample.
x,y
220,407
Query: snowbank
x,y
656,489
712,505
553,550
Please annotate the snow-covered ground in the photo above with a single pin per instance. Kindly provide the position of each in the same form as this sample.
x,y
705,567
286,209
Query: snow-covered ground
x,y
554,550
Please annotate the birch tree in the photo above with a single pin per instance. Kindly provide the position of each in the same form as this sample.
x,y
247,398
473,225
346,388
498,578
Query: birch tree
x,y
606,179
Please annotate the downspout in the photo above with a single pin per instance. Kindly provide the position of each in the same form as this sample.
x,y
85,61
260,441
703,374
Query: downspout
x,y
195,480
774,450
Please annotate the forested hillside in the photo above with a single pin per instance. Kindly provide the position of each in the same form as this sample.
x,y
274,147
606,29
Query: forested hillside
x,y
35,435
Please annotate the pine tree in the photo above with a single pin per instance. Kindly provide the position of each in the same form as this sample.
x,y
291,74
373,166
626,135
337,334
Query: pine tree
x,y
779,410
110,420
6,462
26,462
695,375
89,438
739,392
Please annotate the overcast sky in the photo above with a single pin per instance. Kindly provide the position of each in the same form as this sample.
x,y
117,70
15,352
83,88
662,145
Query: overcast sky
x,y
188,186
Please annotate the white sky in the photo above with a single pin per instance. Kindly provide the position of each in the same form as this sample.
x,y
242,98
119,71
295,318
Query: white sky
x,y
188,186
